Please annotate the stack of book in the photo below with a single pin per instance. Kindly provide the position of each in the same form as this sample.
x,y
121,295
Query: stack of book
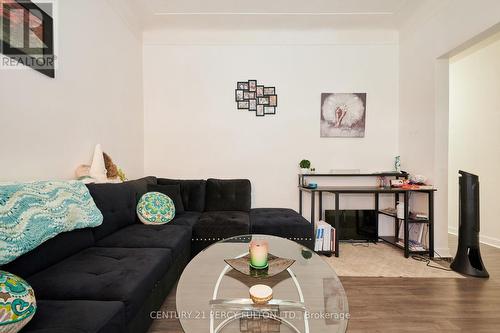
x,y
414,246
325,237
417,236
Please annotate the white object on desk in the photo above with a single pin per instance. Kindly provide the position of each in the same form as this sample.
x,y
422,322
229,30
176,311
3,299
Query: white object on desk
x,y
345,171
400,210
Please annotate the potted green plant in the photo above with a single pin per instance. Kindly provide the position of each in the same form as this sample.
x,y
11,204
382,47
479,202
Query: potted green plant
x,y
304,166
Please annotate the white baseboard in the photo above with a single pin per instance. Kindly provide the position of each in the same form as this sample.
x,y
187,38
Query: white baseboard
x,y
443,252
491,241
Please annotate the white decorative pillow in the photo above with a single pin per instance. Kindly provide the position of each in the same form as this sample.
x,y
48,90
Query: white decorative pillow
x,y
155,208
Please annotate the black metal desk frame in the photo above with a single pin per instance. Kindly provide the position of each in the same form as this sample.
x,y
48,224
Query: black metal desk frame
x,y
393,240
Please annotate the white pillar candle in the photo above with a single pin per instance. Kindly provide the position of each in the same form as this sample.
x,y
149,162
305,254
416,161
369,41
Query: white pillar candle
x,y
258,250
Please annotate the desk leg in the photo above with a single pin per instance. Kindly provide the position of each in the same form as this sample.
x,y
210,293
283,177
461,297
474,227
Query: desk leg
x,y
320,205
337,222
396,220
300,202
376,214
406,225
312,206
431,224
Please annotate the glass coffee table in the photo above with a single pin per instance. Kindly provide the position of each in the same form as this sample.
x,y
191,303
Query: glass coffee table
x,y
307,296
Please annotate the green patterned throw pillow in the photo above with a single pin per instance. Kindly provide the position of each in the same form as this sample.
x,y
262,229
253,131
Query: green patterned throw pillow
x,y
17,303
155,208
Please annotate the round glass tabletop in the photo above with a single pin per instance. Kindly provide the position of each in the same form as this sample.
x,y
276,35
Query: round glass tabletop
x,y
214,297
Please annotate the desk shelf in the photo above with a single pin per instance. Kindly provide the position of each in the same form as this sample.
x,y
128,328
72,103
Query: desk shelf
x,y
410,220
394,241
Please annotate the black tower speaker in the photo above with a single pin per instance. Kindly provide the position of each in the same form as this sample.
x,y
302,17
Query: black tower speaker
x,y
468,258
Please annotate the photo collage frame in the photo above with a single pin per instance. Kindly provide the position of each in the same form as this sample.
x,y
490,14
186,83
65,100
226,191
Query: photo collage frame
x,y
251,96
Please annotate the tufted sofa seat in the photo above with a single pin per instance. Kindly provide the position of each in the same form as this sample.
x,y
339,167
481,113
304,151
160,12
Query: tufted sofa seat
x,y
215,226
77,316
104,274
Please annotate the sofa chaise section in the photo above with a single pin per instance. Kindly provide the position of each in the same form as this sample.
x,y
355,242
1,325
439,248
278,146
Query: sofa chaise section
x,y
282,222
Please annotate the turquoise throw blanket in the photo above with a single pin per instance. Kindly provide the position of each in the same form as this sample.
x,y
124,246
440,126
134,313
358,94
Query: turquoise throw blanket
x,y
31,213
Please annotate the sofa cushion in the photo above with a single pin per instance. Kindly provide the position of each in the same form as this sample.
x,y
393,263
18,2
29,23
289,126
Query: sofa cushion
x,y
186,219
52,251
281,222
177,238
192,192
172,191
104,274
155,208
140,186
77,317
228,195
215,226
117,204
220,225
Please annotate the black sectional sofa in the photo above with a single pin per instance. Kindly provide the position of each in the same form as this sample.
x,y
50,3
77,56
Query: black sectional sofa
x,y
108,279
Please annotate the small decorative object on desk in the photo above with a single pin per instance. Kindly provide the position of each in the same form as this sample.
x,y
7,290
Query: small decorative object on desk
x,y
418,179
17,303
261,294
387,182
312,185
304,166
397,182
275,265
258,250
397,163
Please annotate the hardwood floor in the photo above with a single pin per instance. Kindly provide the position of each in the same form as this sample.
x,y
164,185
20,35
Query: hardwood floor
x,y
432,305
411,304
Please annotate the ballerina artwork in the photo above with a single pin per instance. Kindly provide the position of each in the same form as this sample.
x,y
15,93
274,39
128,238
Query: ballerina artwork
x,y
343,115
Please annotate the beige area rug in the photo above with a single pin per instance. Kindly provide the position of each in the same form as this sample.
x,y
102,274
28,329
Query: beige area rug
x,y
382,260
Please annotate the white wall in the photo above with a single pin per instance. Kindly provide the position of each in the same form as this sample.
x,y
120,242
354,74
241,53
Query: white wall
x,y
193,129
423,124
50,126
474,135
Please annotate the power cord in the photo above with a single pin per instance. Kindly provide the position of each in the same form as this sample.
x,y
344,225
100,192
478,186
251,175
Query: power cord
x,y
361,244
428,261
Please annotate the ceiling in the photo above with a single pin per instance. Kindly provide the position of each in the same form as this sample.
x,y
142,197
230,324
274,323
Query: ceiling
x,y
264,14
